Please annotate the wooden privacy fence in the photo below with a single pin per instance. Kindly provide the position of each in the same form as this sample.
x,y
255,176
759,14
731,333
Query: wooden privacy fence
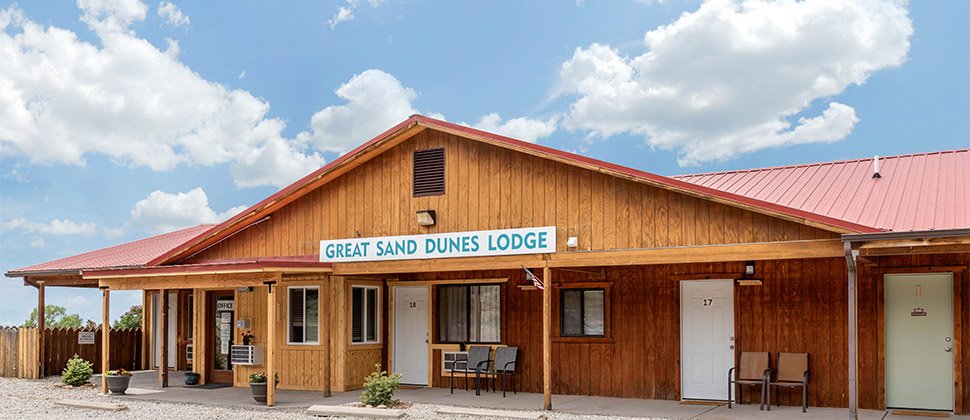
x,y
19,350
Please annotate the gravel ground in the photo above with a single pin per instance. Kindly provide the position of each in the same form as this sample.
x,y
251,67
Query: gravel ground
x,y
34,399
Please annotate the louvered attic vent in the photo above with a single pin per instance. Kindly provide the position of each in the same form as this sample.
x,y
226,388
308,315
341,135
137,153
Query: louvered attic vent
x,y
429,172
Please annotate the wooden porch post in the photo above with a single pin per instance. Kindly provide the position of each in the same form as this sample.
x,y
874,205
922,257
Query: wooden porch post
x,y
326,340
270,344
163,346
853,331
41,326
105,337
547,338
199,341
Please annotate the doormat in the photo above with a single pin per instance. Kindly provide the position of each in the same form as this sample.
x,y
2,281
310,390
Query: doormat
x,y
699,402
920,413
211,386
410,387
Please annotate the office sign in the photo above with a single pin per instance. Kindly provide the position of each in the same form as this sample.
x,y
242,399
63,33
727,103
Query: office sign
x,y
85,337
539,240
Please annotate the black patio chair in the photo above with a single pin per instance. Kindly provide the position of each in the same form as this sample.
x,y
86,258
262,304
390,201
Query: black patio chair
x,y
477,356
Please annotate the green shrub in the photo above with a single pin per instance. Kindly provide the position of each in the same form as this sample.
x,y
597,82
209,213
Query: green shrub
x,y
78,372
379,388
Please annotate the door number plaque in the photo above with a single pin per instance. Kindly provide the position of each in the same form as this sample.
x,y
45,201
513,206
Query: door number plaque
x,y
918,312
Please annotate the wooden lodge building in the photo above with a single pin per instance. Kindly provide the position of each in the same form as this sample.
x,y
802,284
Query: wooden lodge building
x,y
413,245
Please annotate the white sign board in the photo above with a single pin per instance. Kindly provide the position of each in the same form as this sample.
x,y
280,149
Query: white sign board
x,y
85,337
226,305
540,240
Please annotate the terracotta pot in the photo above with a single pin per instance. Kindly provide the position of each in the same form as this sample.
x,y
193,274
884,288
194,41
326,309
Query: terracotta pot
x,y
118,384
259,391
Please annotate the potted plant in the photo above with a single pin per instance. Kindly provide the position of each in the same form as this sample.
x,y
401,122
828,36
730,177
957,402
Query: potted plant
x,y
118,381
247,337
257,382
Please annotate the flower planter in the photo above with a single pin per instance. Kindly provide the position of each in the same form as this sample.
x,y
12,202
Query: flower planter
x,y
118,384
259,391
191,378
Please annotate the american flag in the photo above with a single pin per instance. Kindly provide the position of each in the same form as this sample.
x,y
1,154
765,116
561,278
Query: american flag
x,y
535,280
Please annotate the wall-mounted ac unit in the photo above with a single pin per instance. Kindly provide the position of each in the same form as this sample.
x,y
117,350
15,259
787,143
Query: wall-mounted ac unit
x,y
454,360
246,355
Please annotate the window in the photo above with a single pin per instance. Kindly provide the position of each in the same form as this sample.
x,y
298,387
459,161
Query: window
x,y
429,172
582,313
303,315
469,313
366,314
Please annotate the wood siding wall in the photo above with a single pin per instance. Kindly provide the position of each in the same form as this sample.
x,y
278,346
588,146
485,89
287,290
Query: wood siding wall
x,y
800,307
489,187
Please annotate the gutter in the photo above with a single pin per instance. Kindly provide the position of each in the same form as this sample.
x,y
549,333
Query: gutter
x,y
72,271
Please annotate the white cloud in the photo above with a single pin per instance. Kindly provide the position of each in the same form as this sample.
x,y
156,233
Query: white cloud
x,y
111,233
78,301
55,227
728,78
525,129
16,176
243,74
61,98
172,14
376,101
345,13
162,212
37,243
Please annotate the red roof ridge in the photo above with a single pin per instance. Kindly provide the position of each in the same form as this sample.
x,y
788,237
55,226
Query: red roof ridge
x,y
806,165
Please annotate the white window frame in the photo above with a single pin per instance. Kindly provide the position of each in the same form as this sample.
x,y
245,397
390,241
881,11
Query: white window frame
x,y
363,313
289,317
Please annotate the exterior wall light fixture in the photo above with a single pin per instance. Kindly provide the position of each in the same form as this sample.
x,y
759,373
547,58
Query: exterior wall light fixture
x,y
749,268
425,217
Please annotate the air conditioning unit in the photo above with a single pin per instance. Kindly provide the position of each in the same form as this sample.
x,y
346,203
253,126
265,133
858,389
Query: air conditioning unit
x,y
188,352
454,360
246,355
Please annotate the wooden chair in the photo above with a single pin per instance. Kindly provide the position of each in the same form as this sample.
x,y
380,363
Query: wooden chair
x,y
503,365
477,356
792,372
753,369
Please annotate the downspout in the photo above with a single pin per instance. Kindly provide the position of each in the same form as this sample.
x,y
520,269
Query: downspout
x,y
853,335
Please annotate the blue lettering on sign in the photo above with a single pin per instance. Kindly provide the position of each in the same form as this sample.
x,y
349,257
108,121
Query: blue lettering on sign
x,y
412,246
543,237
329,251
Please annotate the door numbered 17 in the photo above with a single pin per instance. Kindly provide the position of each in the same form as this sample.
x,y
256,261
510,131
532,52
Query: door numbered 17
x,y
708,301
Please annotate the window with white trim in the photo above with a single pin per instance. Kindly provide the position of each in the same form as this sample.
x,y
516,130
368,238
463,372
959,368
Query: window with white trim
x,y
365,314
303,315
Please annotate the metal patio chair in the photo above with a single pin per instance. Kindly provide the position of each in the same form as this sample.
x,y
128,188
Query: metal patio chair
x,y
503,365
792,372
753,369
477,356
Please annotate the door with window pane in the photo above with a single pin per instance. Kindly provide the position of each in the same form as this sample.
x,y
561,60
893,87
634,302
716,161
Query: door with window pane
x,y
221,314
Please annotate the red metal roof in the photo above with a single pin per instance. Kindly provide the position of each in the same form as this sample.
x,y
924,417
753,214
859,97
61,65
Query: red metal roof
x,y
924,191
136,253
433,123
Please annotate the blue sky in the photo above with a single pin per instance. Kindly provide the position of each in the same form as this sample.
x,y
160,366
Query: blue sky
x,y
124,119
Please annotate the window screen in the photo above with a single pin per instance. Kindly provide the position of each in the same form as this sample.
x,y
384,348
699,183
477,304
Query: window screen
x,y
469,314
365,311
582,313
303,323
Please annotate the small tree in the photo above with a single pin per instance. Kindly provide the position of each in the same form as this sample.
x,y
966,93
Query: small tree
x,y
78,371
131,319
55,317
379,388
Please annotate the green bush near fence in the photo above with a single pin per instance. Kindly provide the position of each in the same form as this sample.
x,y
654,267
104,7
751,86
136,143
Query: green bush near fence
x,y
78,371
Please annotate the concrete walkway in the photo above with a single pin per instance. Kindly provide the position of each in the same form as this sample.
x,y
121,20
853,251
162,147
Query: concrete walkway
x,y
144,385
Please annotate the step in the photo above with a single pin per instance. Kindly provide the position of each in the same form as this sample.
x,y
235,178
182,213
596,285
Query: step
x,y
481,412
351,411
91,405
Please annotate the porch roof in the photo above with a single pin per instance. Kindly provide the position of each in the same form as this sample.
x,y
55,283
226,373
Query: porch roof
x,y
294,263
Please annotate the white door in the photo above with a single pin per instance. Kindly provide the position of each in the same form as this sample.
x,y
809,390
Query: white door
x,y
411,334
919,341
157,332
706,338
